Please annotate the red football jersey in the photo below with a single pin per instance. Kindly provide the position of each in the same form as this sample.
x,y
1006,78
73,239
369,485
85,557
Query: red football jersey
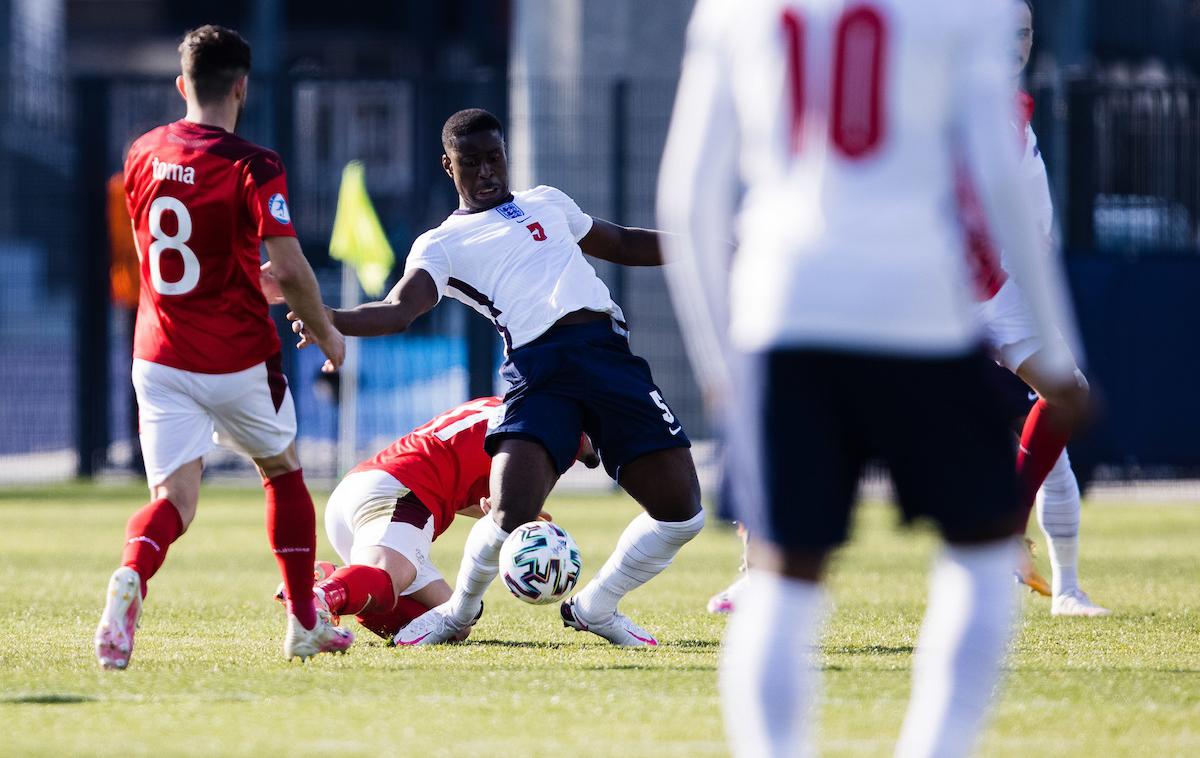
x,y
202,199
989,276
443,462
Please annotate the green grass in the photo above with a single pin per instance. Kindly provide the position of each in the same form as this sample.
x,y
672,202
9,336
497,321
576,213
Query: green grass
x,y
207,677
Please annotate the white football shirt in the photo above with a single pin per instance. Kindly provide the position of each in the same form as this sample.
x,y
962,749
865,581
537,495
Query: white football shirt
x,y
519,264
822,136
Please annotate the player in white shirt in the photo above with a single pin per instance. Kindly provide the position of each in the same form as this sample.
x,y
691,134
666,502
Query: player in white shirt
x,y
1043,466
518,259
824,136
1009,330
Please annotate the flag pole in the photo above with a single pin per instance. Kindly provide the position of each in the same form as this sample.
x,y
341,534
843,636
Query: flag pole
x,y
347,441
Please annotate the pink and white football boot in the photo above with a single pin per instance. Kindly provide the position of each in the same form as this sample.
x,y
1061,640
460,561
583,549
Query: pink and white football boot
x,y
618,629
122,608
324,637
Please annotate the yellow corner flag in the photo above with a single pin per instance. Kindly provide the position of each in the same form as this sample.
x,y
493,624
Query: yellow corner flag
x,y
358,239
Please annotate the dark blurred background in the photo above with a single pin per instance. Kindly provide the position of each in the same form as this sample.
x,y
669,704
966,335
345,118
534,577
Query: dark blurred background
x,y
586,90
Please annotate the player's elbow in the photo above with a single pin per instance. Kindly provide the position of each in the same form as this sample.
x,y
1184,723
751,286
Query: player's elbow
x,y
288,272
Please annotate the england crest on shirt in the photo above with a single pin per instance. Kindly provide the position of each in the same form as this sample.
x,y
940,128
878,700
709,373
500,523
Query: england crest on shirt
x,y
511,211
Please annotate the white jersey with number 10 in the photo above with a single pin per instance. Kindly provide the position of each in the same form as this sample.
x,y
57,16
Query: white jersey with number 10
x,y
823,136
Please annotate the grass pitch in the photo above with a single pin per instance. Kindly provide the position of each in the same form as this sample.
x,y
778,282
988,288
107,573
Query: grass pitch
x,y
207,677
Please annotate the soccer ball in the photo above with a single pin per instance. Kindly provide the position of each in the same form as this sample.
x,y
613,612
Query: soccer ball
x,y
540,562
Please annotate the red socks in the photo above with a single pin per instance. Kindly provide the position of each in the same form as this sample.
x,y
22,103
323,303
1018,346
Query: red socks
x,y
1042,441
147,535
354,589
387,624
292,531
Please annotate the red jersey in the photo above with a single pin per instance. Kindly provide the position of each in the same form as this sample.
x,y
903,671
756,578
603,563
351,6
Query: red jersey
x,y
443,462
202,199
986,271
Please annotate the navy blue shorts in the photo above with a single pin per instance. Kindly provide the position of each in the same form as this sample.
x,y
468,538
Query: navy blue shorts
x,y
1017,396
811,420
583,378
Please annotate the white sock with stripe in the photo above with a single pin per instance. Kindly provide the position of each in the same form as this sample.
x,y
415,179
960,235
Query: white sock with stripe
x,y
480,564
1058,516
768,677
646,548
964,637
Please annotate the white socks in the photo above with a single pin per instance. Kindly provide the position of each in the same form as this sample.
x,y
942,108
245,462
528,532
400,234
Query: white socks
x,y
646,548
480,564
967,628
1058,515
768,678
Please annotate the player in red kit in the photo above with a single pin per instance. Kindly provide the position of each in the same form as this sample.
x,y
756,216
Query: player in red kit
x,y
385,514
206,353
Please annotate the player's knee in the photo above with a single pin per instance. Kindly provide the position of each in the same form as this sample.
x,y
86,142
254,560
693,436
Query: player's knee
x,y
683,531
279,464
512,514
1074,394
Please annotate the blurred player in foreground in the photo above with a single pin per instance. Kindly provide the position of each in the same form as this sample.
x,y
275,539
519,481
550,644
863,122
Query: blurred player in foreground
x,y
206,353
1010,330
384,516
824,137
518,260
1043,466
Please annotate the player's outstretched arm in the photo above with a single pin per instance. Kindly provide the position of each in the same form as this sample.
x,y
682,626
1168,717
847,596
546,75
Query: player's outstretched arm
x,y
985,112
295,277
697,199
415,294
628,246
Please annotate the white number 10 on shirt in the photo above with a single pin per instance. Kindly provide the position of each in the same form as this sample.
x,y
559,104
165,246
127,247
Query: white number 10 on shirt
x,y
856,124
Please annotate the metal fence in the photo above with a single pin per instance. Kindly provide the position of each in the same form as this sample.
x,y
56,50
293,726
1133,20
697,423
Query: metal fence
x,y
1123,159
1128,158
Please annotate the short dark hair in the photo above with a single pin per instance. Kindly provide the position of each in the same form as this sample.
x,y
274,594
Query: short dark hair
x,y
213,58
469,121
1029,4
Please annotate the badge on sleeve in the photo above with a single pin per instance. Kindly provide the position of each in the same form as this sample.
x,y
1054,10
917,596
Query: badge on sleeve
x,y
278,209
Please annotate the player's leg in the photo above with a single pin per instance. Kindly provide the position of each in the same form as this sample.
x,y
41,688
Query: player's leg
x,y
794,493
664,483
1018,399
292,533
523,473
643,446
970,491
726,600
1048,427
175,434
152,529
1058,510
254,413
390,545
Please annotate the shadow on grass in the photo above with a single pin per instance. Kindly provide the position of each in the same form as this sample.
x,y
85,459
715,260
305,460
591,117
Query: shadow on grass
x,y
514,644
635,667
48,698
693,644
869,650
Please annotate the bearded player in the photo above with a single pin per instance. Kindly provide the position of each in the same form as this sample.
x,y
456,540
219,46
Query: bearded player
x,y
206,353
384,516
1043,466
518,259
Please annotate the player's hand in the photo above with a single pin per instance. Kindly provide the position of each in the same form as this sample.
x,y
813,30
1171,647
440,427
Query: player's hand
x,y
300,330
270,285
333,344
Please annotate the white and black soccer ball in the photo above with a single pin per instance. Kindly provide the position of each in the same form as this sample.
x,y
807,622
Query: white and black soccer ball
x,y
539,562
